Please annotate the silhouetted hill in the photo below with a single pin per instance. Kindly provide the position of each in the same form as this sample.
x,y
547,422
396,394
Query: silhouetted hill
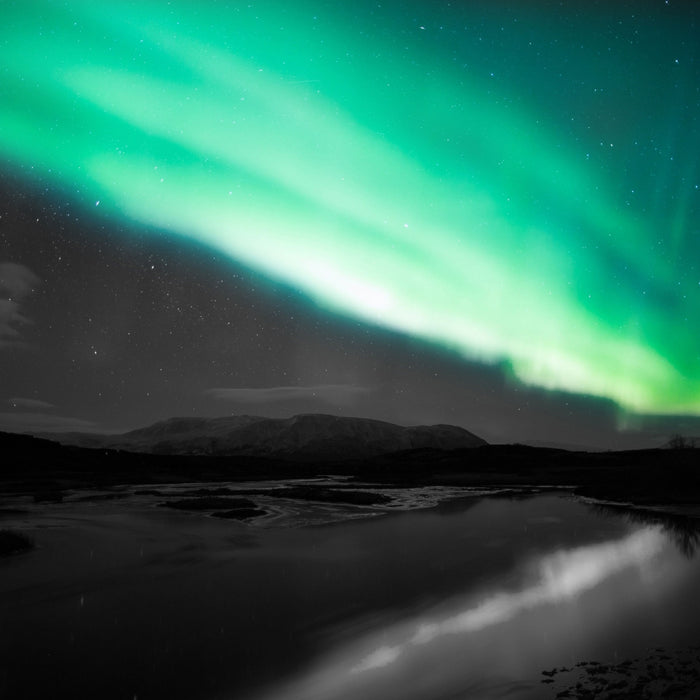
x,y
642,477
301,437
682,442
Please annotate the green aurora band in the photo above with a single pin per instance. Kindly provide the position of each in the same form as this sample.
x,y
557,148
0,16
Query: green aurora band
x,y
380,177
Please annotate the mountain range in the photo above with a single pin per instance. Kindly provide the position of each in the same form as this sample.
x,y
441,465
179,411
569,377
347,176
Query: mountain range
x,y
305,436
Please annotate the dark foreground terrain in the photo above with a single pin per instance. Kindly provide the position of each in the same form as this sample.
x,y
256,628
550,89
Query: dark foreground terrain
x,y
669,477
168,516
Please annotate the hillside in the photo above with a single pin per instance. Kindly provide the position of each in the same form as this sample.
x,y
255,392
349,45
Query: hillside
x,y
306,436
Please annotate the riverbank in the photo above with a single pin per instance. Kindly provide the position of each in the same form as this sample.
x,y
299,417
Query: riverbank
x,y
132,572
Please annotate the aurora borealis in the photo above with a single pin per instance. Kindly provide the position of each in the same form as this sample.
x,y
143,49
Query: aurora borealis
x,y
520,187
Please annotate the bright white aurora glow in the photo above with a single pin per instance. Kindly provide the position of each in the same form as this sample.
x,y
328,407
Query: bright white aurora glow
x,y
387,185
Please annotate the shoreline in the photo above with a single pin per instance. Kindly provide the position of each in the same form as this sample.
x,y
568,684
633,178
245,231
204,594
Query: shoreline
x,y
574,682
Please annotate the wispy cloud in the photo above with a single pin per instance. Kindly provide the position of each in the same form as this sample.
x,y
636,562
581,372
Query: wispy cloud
x,y
16,283
44,422
326,393
30,404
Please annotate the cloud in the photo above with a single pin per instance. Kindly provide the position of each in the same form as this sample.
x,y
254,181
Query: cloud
x,y
43,422
16,283
327,393
31,404
17,280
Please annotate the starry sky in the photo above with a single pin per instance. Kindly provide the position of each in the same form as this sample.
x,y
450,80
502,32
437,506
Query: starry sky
x,y
485,214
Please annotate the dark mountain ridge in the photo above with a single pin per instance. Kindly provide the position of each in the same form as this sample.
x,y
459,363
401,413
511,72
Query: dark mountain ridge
x,y
669,476
308,436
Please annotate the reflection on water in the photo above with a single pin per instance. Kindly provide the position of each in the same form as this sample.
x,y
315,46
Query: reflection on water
x,y
563,575
683,530
560,576
124,599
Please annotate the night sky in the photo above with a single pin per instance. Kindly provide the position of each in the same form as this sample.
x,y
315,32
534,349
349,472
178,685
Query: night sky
x,y
477,213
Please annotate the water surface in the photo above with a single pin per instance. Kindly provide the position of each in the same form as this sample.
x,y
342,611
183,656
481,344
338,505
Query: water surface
x,y
122,599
